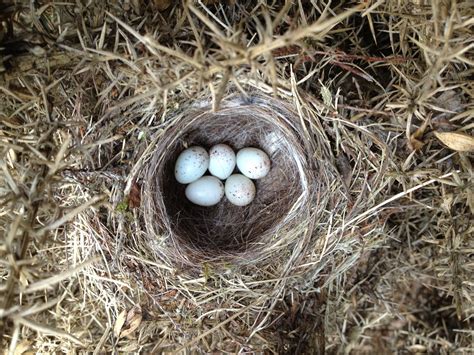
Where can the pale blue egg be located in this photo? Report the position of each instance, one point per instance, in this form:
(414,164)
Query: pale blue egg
(253,162)
(206,191)
(221,161)
(191,164)
(239,190)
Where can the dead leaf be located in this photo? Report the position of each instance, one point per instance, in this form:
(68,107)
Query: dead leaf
(295,307)
(119,323)
(134,319)
(134,196)
(416,144)
(162,5)
(460,142)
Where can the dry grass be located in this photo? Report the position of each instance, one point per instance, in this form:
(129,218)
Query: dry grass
(381,257)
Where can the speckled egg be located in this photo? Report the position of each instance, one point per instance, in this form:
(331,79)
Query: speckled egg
(191,164)
(221,161)
(239,190)
(253,162)
(206,191)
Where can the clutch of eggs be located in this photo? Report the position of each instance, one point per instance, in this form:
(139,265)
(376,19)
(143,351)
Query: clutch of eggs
(221,161)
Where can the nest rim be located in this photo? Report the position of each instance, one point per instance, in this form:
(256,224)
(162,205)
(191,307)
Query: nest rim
(280,131)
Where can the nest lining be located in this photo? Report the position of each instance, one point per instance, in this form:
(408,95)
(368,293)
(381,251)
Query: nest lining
(226,232)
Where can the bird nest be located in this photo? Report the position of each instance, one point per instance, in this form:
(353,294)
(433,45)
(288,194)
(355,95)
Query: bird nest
(192,234)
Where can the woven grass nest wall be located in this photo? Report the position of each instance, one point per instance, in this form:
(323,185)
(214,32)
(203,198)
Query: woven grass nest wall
(360,238)
(286,203)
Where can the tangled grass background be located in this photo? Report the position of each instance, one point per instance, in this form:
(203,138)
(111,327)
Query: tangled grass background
(367,111)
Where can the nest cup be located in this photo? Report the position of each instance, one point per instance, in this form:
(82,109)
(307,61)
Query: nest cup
(225,232)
